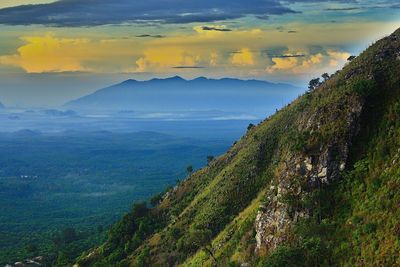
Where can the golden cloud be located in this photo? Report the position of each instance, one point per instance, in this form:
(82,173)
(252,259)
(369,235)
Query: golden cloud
(51,54)
(48,54)
(156,59)
(244,57)
(200,47)
(316,63)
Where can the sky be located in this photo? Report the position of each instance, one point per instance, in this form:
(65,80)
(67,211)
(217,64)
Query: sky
(54,51)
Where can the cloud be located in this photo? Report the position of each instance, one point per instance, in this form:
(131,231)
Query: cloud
(157,59)
(343,9)
(306,64)
(103,12)
(188,67)
(218,29)
(288,56)
(47,54)
(243,58)
(213,59)
(150,36)
(256,51)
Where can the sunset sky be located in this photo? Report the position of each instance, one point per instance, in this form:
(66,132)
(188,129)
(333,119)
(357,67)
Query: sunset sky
(52,51)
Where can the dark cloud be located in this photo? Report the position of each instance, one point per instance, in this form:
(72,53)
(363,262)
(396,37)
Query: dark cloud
(287,56)
(150,36)
(102,12)
(188,67)
(262,17)
(280,52)
(277,50)
(206,28)
(343,9)
(316,49)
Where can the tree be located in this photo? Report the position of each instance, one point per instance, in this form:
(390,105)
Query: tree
(314,83)
(350,58)
(189,169)
(210,159)
(63,259)
(199,239)
(251,126)
(140,209)
(325,76)
(69,235)
(156,199)
(31,248)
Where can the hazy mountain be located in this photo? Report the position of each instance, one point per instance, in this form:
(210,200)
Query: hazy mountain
(2,106)
(59,113)
(26,133)
(316,184)
(201,94)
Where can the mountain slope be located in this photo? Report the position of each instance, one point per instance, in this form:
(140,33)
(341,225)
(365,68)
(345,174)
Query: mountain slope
(316,184)
(177,94)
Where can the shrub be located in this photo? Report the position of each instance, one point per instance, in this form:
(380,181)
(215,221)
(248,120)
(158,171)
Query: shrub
(284,256)
(365,87)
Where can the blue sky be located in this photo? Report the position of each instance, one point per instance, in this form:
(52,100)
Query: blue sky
(63,49)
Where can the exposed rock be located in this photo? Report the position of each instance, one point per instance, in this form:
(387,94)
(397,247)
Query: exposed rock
(300,175)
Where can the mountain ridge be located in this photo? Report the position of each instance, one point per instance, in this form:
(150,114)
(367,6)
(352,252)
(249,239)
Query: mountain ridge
(177,94)
(315,184)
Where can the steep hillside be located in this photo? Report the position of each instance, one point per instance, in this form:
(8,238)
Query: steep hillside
(316,184)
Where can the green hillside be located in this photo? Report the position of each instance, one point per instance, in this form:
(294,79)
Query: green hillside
(316,184)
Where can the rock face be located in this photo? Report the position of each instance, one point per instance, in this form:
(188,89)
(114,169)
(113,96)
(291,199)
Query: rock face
(301,174)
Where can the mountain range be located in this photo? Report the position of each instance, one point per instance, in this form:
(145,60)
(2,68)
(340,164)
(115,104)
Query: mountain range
(176,94)
(316,184)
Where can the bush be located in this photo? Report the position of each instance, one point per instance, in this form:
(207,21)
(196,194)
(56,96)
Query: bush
(369,228)
(284,256)
(365,87)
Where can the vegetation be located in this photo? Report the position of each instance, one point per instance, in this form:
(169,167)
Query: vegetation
(60,193)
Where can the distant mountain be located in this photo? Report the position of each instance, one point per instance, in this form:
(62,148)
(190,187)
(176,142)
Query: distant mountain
(27,133)
(2,106)
(177,94)
(59,113)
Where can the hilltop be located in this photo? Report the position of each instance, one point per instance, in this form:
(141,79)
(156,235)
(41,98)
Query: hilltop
(316,184)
